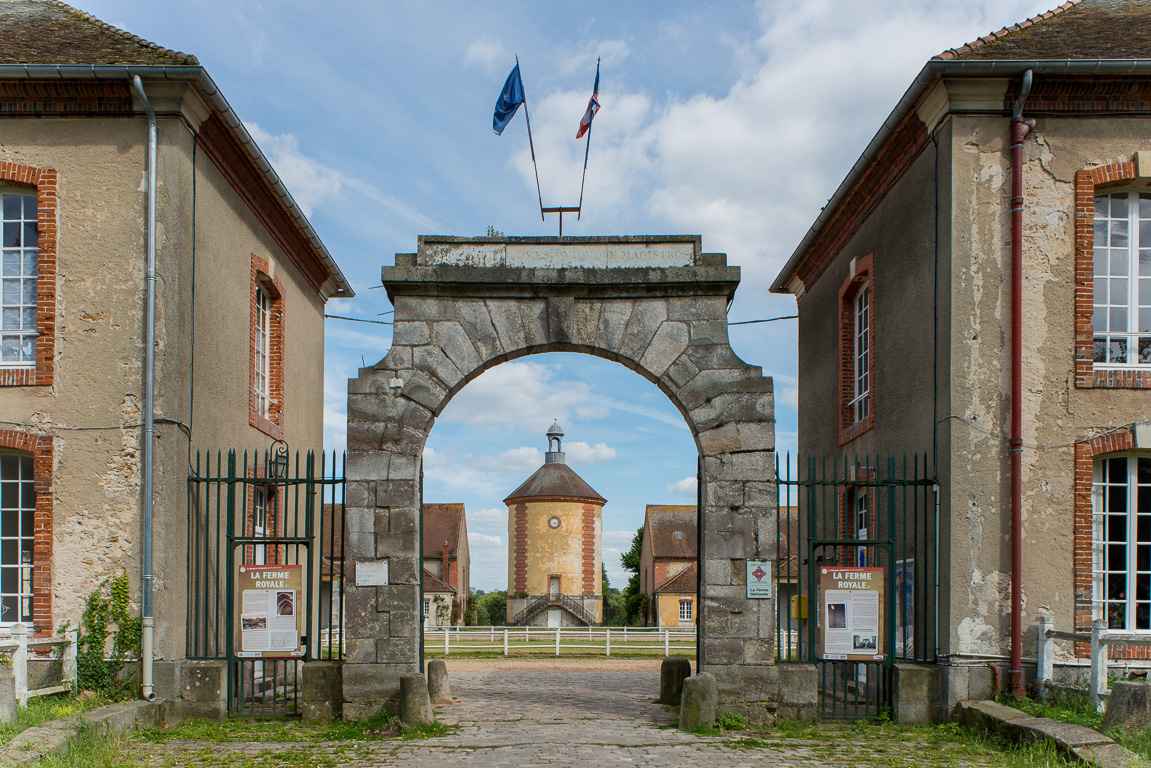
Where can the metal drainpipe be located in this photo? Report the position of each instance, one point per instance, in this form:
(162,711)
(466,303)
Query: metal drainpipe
(147,620)
(1019,130)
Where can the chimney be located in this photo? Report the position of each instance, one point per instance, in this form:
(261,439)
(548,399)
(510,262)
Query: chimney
(444,564)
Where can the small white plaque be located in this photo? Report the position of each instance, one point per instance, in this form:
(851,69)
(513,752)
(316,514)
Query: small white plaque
(372,573)
(759,579)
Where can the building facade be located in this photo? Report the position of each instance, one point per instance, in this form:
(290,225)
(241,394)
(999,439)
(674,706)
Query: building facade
(555,546)
(242,280)
(908,311)
(668,550)
(446,555)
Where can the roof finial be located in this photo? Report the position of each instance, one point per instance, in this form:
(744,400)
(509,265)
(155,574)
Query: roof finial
(555,454)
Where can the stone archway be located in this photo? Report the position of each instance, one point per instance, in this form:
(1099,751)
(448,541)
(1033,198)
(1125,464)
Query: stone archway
(655,304)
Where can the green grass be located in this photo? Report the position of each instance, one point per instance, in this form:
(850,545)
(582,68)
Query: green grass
(92,750)
(1070,707)
(44,708)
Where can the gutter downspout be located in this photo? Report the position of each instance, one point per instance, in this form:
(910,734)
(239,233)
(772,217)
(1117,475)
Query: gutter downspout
(147,621)
(1019,130)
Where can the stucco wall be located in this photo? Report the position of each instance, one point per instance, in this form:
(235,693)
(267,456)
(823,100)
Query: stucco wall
(555,551)
(1055,412)
(100,315)
(667,609)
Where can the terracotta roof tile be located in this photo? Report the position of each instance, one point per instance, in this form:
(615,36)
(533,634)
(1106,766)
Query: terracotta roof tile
(555,480)
(1077,29)
(433,583)
(663,521)
(684,581)
(51,32)
(442,523)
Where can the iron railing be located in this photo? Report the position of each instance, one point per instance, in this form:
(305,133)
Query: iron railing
(541,603)
(242,509)
(864,511)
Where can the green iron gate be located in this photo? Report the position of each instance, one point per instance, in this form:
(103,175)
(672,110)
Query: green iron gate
(858,513)
(263,509)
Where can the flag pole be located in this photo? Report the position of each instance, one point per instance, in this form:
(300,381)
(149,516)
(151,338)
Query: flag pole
(579,211)
(587,148)
(531,145)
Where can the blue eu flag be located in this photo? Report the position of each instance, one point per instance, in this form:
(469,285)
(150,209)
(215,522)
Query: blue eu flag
(509,101)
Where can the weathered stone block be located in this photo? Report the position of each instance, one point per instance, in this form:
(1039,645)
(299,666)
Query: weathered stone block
(562,320)
(399,357)
(746,682)
(358,601)
(321,691)
(697,708)
(398,650)
(716,571)
(365,436)
(672,672)
(641,327)
(473,317)
(679,372)
(719,438)
(759,651)
(757,436)
(916,690)
(403,521)
(8,703)
(204,681)
(396,493)
(368,465)
(403,570)
(410,333)
(373,682)
(722,650)
(424,390)
(454,341)
(707,331)
(432,361)
(415,702)
(361,493)
(1129,706)
(666,345)
(360,650)
(397,544)
(360,545)
(723,495)
(728,545)
(399,597)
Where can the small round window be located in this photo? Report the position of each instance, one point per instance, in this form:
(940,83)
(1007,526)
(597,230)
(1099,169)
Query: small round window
(554,522)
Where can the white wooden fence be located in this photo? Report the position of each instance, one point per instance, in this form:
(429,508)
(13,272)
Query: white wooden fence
(19,644)
(586,639)
(1099,639)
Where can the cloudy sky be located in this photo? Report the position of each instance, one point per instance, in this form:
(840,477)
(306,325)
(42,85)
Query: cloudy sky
(732,120)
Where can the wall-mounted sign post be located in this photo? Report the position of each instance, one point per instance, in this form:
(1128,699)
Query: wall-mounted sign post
(852,626)
(759,579)
(270,600)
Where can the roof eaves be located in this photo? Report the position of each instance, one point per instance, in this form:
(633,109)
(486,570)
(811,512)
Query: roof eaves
(197,75)
(954,53)
(188,59)
(933,69)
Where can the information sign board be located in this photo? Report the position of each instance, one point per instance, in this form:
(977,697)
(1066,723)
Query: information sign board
(270,600)
(852,627)
(758,579)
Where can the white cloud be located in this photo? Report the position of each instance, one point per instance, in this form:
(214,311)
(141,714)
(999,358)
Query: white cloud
(580,452)
(515,460)
(789,396)
(517,395)
(483,539)
(308,181)
(488,55)
(684,487)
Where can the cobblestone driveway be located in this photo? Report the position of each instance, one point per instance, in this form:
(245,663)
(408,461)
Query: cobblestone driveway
(590,713)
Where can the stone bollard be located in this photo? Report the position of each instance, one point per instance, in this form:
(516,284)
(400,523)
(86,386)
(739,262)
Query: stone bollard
(438,687)
(1128,707)
(697,709)
(415,703)
(672,672)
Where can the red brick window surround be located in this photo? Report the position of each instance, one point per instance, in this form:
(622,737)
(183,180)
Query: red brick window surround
(266,351)
(1100,485)
(1102,295)
(26,529)
(21,239)
(857,350)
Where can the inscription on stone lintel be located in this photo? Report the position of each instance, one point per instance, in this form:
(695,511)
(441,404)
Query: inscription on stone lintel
(600,256)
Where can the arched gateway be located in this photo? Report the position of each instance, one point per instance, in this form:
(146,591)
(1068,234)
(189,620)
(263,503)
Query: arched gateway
(655,304)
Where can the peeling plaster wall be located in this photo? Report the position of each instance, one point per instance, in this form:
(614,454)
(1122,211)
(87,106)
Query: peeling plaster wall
(1055,412)
(99,356)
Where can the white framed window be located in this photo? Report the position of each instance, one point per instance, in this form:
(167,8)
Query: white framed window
(861,355)
(1121,541)
(427,608)
(685,610)
(19,256)
(262,351)
(17,516)
(260,524)
(862,525)
(1121,320)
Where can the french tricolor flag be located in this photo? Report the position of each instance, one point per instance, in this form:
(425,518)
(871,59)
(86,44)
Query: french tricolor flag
(592,107)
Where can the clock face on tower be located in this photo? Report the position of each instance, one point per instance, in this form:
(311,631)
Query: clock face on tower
(554,522)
